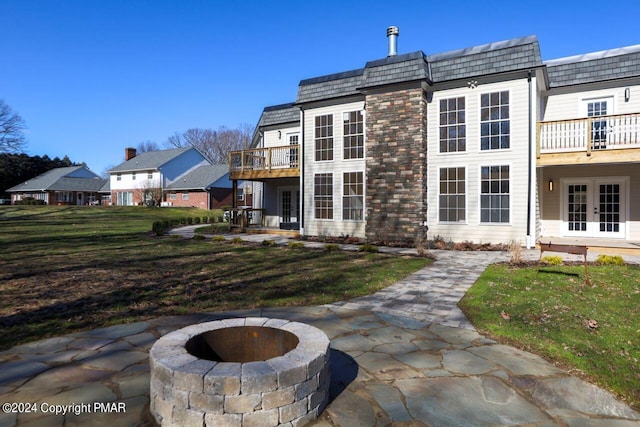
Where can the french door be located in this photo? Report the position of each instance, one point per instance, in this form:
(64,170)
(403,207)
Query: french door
(595,208)
(289,205)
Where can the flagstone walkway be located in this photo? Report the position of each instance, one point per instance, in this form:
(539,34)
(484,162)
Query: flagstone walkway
(405,356)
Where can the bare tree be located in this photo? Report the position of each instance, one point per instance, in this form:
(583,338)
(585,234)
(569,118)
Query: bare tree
(215,144)
(150,192)
(12,138)
(147,145)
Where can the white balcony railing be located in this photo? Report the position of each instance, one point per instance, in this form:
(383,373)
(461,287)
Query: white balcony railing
(593,133)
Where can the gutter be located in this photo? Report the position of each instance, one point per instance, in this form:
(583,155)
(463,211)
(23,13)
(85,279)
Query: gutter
(529,180)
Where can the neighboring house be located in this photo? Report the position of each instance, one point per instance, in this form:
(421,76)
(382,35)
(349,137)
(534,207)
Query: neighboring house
(486,144)
(174,177)
(72,185)
(206,187)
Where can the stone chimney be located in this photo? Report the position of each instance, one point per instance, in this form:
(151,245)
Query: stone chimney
(129,153)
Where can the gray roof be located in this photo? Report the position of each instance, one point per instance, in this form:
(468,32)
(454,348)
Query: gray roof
(594,67)
(509,55)
(279,114)
(500,57)
(150,160)
(396,69)
(200,178)
(59,180)
(330,86)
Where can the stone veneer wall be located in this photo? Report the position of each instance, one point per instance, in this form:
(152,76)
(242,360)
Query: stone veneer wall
(396,199)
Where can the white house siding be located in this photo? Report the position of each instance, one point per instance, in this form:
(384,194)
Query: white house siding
(563,106)
(337,166)
(271,138)
(551,201)
(473,159)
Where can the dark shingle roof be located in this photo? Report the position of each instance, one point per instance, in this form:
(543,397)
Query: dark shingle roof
(500,57)
(331,86)
(396,69)
(150,160)
(279,114)
(200,178)
(594,67)
(62,179)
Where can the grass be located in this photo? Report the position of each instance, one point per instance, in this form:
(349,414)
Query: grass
(591,330)
(66,269)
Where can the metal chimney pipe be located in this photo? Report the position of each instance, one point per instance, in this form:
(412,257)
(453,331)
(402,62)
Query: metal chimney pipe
(392,34)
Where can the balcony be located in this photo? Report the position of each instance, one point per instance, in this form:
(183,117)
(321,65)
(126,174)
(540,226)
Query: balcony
(600,139)
(265,163)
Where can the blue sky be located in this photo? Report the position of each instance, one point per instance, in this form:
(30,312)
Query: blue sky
(92,77)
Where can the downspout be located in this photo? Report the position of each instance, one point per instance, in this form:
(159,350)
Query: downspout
(301,166)
(529,243)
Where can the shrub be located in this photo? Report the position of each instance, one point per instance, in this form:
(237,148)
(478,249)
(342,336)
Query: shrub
(218,238)
(199,237)
(205,220)
(610,260)
(552,259)
(175,222)
(158,228)
(189,220)
(196,220)
(296,245)
(236,240)
(331,247)
(268,242)
(220,218)
(515,249)
(368,248)
(183,220)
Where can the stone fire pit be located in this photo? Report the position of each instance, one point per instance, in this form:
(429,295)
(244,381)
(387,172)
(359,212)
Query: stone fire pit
(240,372)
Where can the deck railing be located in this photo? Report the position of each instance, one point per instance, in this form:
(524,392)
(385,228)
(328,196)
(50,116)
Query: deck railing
(243,218)
(258,159)
(593,133)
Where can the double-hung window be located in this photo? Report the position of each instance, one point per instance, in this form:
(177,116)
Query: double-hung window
(323,137)
(353,196)
(353,135)
(453,129)
(323,195)
(494,121)
(452,198)
(494,194)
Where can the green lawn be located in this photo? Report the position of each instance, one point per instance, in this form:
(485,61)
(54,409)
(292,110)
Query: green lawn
(592,329)
(65,269)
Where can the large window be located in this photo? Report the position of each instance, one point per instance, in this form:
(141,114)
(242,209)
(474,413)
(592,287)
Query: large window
(452,199)
(323,195)
(324,137)
(453,130)
(494,194)
(353,196)
(353,135)
(494,121)
(125,199)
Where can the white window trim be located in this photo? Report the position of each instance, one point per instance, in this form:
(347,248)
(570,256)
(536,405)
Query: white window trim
(364,135)
(466,193)
(333,197)
(313,138)
(364,196)
(479,213)
(479,123)
(466,123)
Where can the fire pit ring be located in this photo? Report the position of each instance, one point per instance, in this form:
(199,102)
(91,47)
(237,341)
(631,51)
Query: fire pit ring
(252,371)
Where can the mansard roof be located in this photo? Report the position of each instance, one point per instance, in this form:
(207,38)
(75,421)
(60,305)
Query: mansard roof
(500,57)
(593,67)
(279,114)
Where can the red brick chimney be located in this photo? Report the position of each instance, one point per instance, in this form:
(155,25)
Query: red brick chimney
(129,153)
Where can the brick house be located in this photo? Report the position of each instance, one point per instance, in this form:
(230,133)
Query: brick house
(73,185)
(488,144)
(174,177)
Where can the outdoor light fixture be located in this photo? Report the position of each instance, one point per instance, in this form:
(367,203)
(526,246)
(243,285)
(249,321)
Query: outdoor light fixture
(472,84)
(550,185)
(627,94)
(279,135)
